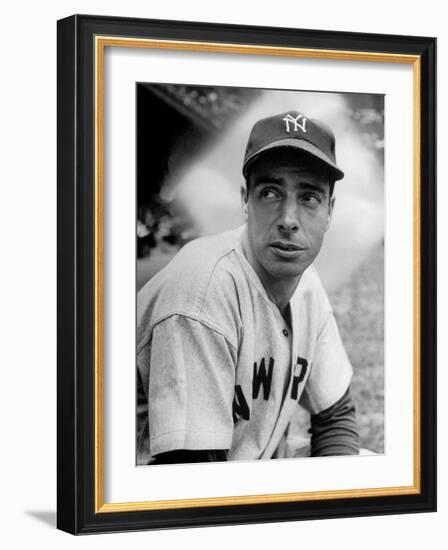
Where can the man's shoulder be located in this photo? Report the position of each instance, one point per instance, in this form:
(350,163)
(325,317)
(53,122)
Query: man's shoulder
(203,253)
(197,270)
(311,281)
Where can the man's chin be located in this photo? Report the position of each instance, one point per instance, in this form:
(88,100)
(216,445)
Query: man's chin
(284,270)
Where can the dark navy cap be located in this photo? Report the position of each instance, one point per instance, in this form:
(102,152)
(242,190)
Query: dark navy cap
(293,129)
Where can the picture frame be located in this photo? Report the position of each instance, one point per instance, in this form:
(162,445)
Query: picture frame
(82,199)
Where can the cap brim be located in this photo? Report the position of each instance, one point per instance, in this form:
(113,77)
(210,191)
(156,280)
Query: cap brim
(302,145)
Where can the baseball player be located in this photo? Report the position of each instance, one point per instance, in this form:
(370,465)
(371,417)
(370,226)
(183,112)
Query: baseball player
(237,329)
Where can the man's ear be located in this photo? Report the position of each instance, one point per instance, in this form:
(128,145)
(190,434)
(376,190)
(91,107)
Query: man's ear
(330,212)
(244,200)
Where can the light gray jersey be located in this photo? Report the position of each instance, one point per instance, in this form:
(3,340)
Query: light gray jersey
(218,366)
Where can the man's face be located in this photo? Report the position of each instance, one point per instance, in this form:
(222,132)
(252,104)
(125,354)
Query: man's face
(288,209)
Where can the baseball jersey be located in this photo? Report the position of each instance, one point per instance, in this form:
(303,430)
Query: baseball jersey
(218,367)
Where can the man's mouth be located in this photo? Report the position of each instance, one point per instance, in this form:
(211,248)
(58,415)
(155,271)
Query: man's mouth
(286,249)
(285,245)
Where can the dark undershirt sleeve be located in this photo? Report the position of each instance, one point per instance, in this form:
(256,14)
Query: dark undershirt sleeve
(183,456)
(334,431)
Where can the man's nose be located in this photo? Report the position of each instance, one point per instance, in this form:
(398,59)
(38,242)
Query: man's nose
(289,218)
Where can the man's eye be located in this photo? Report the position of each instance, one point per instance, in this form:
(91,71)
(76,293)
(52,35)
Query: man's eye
(268,194)
(311,200)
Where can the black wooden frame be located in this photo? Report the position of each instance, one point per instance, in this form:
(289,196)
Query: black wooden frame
(76,224)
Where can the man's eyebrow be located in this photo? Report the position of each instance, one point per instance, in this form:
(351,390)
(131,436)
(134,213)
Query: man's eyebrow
(262,180)
(304,185)
(309,186)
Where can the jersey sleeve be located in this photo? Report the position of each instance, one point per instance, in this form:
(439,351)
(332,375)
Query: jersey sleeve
(190,386)
(331,371)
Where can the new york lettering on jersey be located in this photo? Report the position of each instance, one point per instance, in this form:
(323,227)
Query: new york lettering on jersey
(242,369)
(271,371)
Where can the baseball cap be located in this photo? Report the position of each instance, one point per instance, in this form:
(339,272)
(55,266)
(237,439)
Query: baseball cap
(293,129)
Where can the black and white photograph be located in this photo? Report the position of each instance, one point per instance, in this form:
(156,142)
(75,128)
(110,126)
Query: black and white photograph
(246,274)
(259,274)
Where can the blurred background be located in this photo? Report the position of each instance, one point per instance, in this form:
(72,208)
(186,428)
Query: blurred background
(190,148)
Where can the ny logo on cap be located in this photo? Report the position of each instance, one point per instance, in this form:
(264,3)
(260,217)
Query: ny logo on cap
(299,122)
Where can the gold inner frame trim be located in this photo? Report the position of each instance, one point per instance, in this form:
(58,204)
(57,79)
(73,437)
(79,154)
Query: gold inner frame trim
(101,42)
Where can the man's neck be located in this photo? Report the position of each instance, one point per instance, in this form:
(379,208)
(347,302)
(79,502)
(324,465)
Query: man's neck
(279,290)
